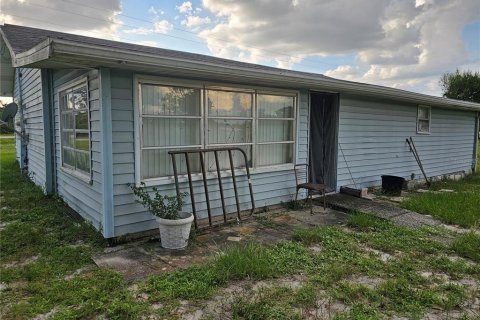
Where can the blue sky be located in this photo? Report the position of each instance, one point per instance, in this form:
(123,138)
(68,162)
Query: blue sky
(406,44)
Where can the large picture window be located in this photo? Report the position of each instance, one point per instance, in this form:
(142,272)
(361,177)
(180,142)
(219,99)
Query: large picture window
(75,129)
(175,117)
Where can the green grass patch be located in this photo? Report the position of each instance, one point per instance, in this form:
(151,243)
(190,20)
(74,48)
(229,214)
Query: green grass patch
(40,244)
(366,222)
(99,293)
(468,246)
(383,235)
(268,303)
(453,208)
(459,207)
(249,261)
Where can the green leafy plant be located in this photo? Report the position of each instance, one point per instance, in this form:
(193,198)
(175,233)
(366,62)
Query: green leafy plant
(162,206)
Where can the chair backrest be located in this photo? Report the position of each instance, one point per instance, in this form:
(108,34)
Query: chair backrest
(301,173)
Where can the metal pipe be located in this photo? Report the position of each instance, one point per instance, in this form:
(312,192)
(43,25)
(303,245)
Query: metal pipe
(175,174)
(413,149)
(205,186)
(190,184)
(220,186)
(232,168)
(219,177)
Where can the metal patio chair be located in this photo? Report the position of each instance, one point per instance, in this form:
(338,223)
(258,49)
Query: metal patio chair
(302,174)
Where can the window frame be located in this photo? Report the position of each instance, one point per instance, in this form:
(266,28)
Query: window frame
(207,117)
(294,126)
(142,116)
(429,119)
(71,86)
(138,80)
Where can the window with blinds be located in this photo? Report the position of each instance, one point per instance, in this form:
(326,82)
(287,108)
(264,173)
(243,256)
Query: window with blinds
(275,125)
(173,118)
(75,130)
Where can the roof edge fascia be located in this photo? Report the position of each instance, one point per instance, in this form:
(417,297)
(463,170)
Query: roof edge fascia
(39,52)
(51,47)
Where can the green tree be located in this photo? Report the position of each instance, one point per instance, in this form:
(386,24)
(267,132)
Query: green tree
(463,85)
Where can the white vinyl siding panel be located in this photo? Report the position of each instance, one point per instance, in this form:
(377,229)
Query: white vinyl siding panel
(83,197)
(372,136)
(269,187)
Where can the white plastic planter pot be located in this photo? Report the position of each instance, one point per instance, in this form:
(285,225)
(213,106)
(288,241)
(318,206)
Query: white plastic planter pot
(174,234)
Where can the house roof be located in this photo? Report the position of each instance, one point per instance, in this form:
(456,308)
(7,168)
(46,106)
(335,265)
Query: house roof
(23,39)
(39,48)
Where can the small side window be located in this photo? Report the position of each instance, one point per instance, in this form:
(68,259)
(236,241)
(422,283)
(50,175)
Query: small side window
(75,130)
(423,119)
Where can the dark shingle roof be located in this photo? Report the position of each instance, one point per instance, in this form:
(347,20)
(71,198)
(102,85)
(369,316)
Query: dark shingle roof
(23,38)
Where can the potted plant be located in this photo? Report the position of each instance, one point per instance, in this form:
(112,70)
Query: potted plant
(173,223)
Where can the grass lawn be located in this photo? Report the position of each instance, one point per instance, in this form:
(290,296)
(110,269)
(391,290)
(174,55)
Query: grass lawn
(460,207)
(367,269)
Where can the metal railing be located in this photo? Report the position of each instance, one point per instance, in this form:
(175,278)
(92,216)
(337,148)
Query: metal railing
(201,153)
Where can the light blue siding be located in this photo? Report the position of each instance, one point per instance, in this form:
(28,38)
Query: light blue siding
(81,196)
(269,187)
(372,137)
(28,90)
(106,143)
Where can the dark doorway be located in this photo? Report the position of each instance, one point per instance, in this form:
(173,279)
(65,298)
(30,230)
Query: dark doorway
(324,109)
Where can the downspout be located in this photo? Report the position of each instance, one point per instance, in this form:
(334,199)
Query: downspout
(475,143)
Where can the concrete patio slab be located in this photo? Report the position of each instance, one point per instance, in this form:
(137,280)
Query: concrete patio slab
(140,259)
(383,210)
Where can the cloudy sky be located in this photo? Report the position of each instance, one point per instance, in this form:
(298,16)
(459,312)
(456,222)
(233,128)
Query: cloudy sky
(406,44)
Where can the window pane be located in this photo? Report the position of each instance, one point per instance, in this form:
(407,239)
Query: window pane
(68,139)
(82,141)
(422,113)
(173,101)
(69,157)
(67,120)
(224,160)
(270,106)
(424,126)
(64,102)
(83,161)
(229,131)
(158,163)
(81,120)
(275,130)
(78,98)
(234,104)
(163,132)
(272,154)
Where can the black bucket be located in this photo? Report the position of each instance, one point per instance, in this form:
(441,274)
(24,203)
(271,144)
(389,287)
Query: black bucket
(392,185)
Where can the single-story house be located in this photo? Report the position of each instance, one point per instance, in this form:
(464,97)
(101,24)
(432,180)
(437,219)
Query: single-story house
(102,114)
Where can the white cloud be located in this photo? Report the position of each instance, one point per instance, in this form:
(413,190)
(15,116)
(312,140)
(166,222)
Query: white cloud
(153,11)
(396,42)
(185,7)
(138,31)
(65,16)
(162,26)
(195,21)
